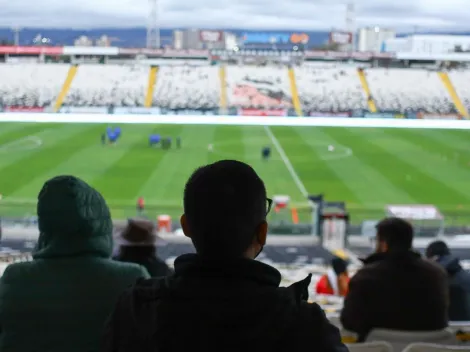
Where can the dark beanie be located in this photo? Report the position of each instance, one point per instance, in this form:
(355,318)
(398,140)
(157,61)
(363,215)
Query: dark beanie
(339,265)
(437,248)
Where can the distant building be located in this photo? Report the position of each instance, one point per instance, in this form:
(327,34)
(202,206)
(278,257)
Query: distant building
(83,41)
(372,39)
(197,39)
(429,44)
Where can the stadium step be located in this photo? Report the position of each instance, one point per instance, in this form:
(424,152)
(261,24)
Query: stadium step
(295,93)
(453,94)
(151,86)
(365,87)
(223,87)
(65,87)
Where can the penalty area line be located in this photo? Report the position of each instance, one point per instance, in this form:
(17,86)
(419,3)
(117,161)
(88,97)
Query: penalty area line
(286,161)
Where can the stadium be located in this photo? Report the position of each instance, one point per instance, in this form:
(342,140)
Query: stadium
(354,136)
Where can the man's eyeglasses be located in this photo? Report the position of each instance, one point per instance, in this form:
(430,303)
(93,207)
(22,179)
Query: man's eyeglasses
(269,204)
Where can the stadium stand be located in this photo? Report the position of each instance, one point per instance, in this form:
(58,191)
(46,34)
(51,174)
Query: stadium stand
(31,85)
(187,87)
(330,89)
(105,85)
(258,87)
(321,87)
(400,90)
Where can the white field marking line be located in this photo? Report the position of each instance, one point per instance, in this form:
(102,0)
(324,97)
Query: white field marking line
(286,161)
(36,142)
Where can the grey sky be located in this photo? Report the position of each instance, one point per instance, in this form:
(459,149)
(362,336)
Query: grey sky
(257,14)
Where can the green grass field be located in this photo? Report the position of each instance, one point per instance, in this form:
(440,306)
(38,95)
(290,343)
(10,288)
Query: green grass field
(368,169)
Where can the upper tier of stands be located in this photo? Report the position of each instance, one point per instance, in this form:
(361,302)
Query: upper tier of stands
(327,88)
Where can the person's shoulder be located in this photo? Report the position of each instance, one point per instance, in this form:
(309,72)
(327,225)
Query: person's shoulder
(125,270)
(17,270)
(431,267)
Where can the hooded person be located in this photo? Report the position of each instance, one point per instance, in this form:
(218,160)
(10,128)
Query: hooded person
(221,298)
(459,280)
(138,244)
(60,300)
(336,280)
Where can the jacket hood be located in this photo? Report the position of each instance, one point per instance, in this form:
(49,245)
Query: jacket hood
(240,300)
(450,263)
(74,220)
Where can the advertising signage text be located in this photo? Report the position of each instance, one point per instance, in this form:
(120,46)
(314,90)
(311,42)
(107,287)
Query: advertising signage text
(275,38)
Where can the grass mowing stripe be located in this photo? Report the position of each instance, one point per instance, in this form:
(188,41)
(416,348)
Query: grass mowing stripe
(402,173)
(169,177)
(311,168)
(374,193)
(19,174)
(287,163)
(7,128)
(27,130)
(431,161)
(128,174)
(90,161)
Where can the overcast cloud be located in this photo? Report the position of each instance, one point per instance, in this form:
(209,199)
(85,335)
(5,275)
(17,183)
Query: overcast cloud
(256,14)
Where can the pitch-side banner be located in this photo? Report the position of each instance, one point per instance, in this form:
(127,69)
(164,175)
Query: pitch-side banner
(23,109)
(137,110)
(262,112)
(84,110)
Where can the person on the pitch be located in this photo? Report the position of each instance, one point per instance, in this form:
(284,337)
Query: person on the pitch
(103,138)
(140,205)
(266,153)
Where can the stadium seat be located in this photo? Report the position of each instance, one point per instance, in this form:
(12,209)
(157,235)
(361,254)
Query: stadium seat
(430,347)
(400,339)
(377,346)
(187,87)
(105,85)
(403,89)
(330,89)
(460,79)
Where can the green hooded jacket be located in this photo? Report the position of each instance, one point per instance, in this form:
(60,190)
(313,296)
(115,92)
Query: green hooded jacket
(61,300)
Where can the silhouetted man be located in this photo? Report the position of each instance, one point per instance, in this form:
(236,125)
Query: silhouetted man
(396,289)
(221,299)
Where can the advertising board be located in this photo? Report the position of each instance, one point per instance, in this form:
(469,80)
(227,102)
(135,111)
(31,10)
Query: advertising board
(84,110)
(209,112)
(328,114)
(137,110)
(341,38)
(23,109)
(262,112)
(31,50)
(275,38)
(207,36)
(426,116)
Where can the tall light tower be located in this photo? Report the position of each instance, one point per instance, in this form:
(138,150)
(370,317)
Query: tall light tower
(351,23)
(16,35)
(153,30)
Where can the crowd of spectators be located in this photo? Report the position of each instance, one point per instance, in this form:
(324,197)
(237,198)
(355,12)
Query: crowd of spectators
(75,295)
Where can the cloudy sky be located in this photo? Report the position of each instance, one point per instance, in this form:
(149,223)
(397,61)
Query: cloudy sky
(257,14)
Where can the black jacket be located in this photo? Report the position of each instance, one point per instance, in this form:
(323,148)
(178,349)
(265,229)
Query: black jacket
(219,307)
(145,256)
(398,291)
(459,288)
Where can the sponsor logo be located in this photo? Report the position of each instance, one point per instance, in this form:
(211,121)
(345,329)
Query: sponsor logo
(211,36)
(23,109)
(275,38)
(257,112)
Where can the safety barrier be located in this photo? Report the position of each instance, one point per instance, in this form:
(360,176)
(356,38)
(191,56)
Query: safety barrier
(233,120)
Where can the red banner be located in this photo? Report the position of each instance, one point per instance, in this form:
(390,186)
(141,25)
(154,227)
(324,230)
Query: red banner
(258,112)
(31,50)
(23,109)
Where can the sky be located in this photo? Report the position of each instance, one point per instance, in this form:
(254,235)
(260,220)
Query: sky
(256,14)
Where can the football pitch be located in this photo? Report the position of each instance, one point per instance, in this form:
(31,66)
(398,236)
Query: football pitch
(367,169)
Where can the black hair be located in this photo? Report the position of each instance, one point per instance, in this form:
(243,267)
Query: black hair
(224,202)
(396,233)
(437,248)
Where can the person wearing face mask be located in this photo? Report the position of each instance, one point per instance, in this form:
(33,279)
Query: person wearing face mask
(221,298)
